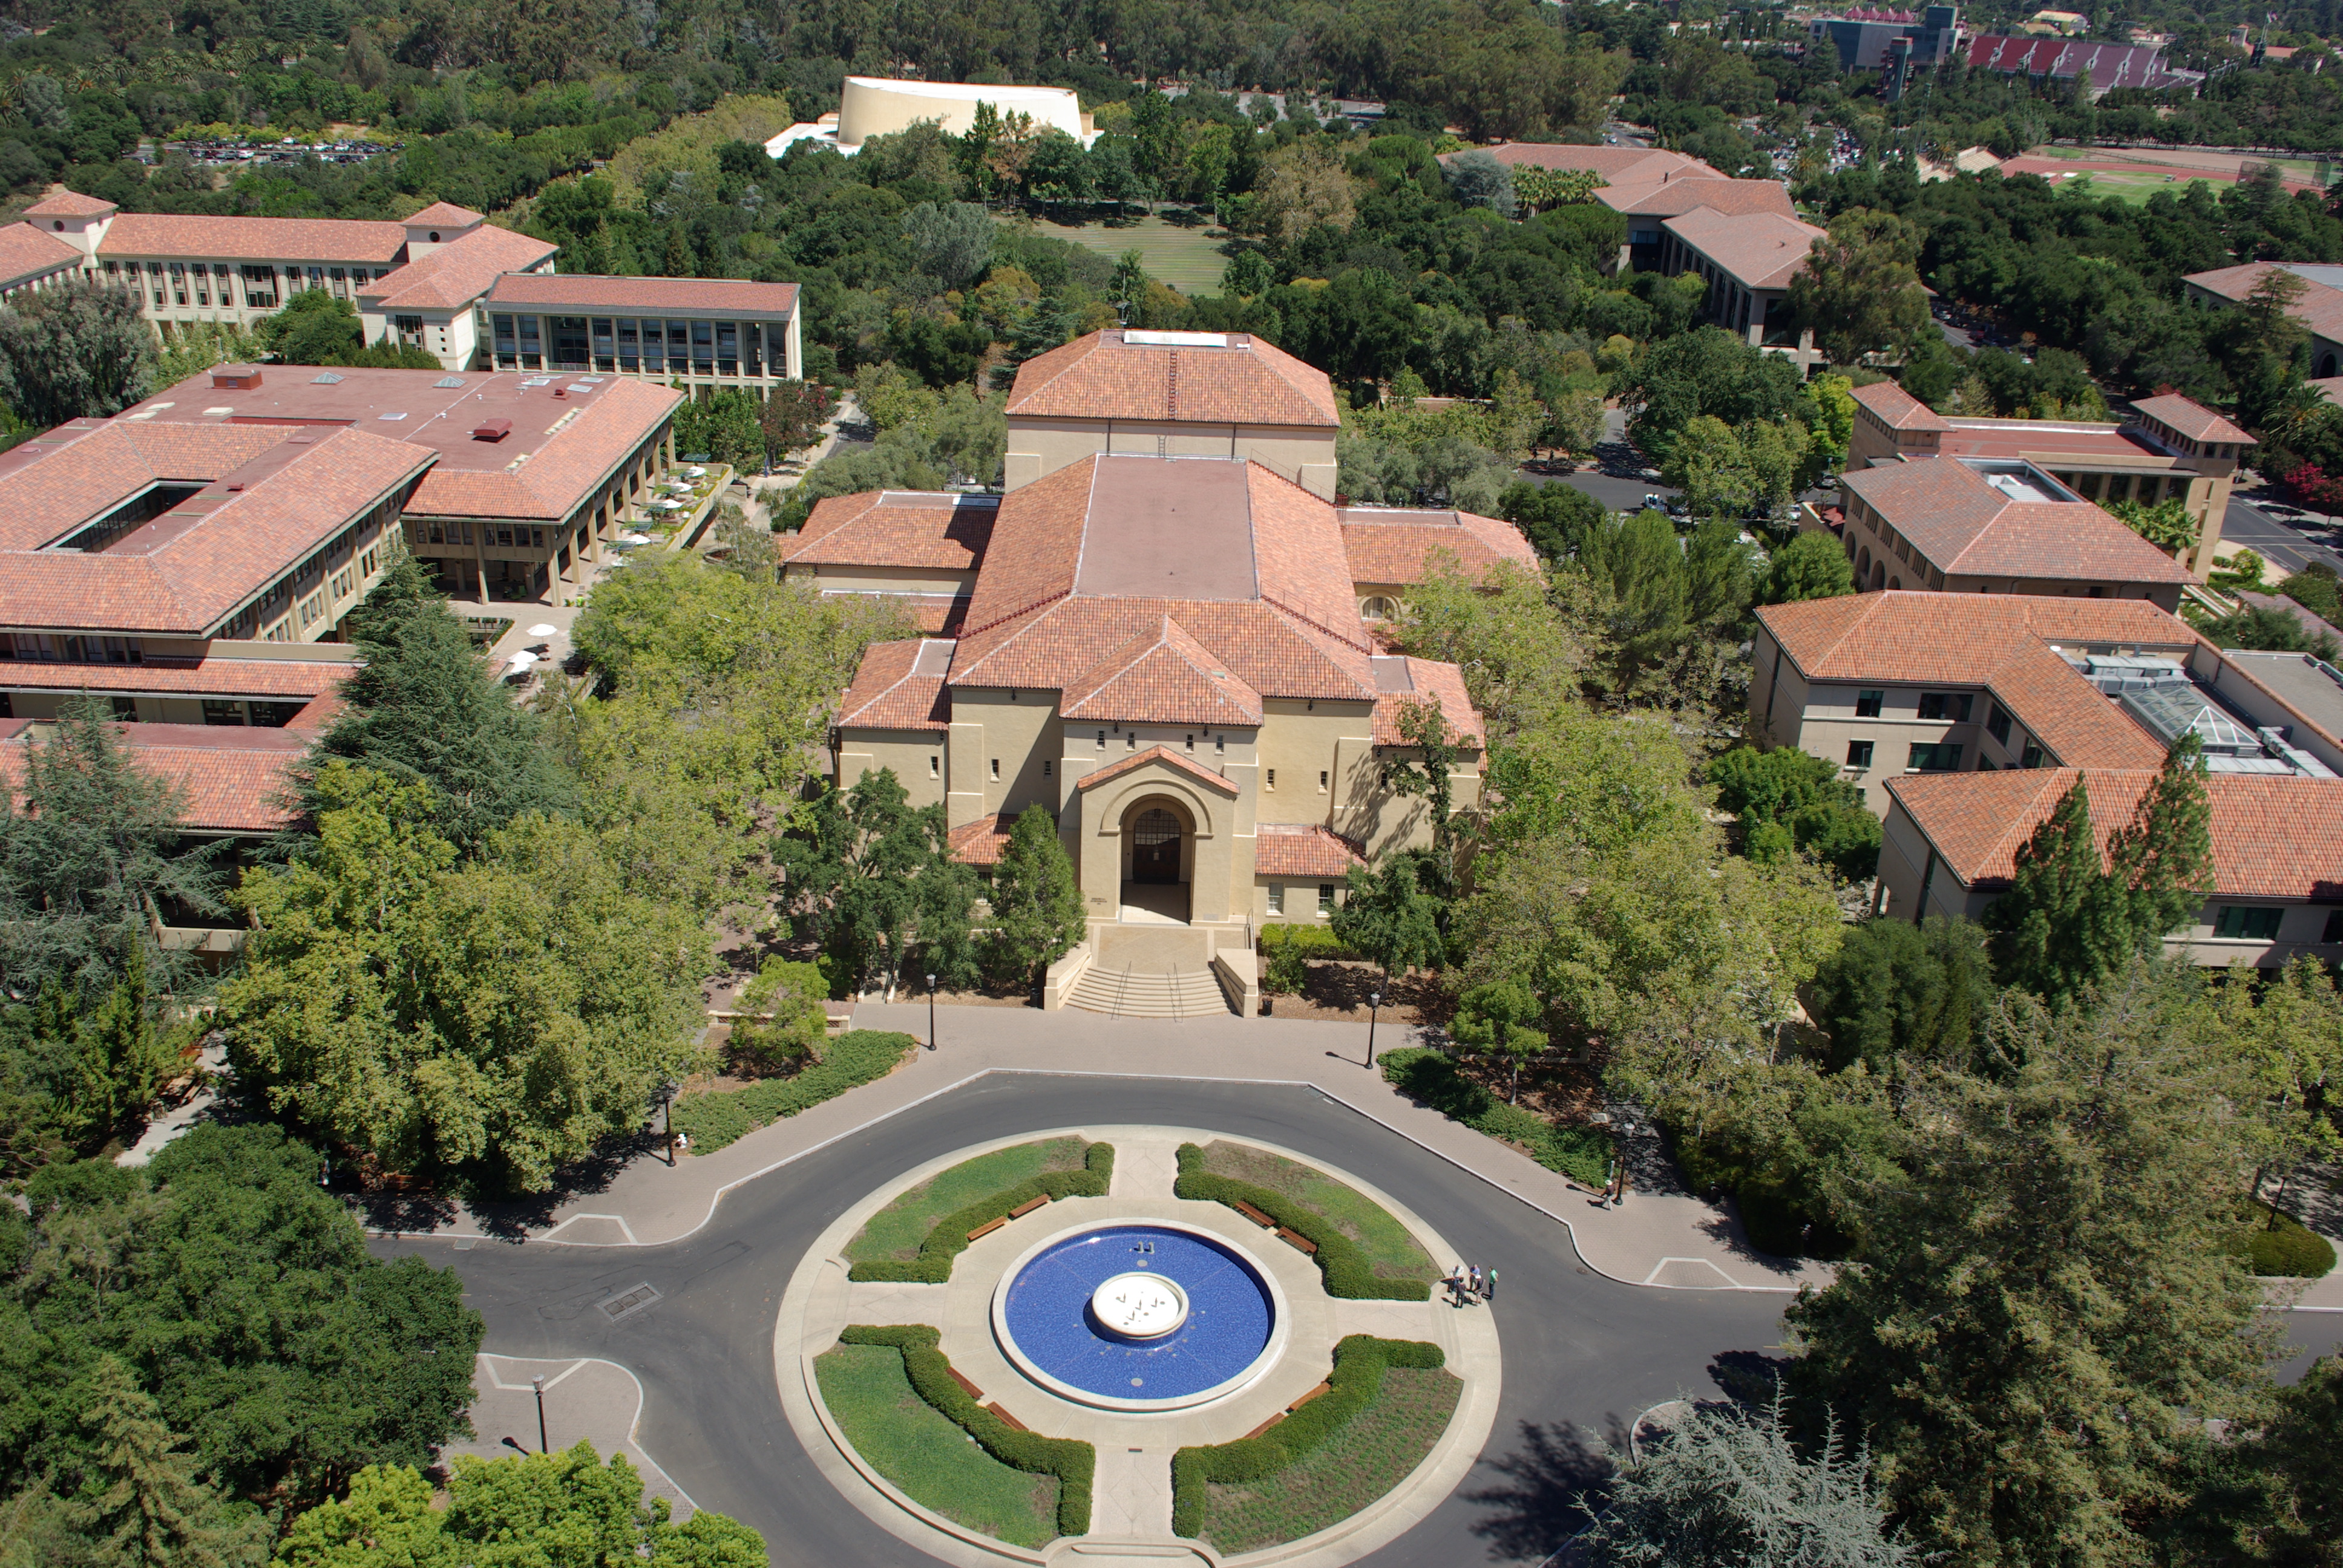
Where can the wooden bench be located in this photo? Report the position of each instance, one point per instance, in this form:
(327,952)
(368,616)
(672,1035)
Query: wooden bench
(987,1228)
(1009,1420)
(1297,1239)
(1264,1426)
(1320,1392)
(1255,1215)
(1028,1206)
(966,1387)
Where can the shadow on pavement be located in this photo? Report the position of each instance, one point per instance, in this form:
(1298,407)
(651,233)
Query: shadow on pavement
(1534,1503)
(1749,1376)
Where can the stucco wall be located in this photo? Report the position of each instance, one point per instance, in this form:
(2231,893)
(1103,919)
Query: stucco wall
(1039,446)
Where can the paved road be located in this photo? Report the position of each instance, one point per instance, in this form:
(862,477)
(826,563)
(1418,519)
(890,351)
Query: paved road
(1583,1355)
(2281,535)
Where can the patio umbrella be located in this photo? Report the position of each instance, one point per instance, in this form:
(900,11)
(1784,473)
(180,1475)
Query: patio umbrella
(522,660)
(544,628)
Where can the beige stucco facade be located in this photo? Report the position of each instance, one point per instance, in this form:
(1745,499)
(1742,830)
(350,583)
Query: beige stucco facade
(1040,446)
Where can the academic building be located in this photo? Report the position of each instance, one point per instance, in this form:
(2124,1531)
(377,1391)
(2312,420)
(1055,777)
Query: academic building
(1162,636)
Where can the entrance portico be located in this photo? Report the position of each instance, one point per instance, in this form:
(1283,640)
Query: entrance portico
(1156,824)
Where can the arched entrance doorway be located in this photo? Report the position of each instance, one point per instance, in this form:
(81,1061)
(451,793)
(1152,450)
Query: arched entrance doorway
(1155,835)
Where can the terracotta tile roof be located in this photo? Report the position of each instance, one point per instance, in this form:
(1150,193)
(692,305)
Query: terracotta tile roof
(2071,717)
(1686,194)
(2318,307)
(1394,544)
(1166,756)
(458,272)
(27,252)
(2273,838)
(1917,638)
(1106,377)
(1965,527)
(1620,165)
(589,291)
(1162,676)
(70,204)
(1758,249)
(1302,849)
(899,685)
(564,471)
(895,528)
(268,679)
(230,775)
(276,239)
(2192,419)
(183,571)
(1405,680)
(1898,409)
(981,842)
(444,213)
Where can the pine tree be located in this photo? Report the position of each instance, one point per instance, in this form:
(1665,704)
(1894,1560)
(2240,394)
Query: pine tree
(1037,905)
(678,262)
(2162,863)
(2044,922)
(141,1500)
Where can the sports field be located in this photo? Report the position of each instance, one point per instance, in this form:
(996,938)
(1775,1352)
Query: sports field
(1182,257)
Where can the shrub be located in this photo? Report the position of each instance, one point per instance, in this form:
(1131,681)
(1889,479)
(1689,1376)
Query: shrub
(1286,951)
(2276,1245)
(1344,1267)
(1072,1463)
(857,1057)
(1357,1378)
(782,1024)
(1430,1078)
(945,1243)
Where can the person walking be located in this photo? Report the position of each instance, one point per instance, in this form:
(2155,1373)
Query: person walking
(1473,1281)
(1489,1286)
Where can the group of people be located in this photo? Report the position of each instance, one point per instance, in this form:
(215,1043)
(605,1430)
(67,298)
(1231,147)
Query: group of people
(1469,1282)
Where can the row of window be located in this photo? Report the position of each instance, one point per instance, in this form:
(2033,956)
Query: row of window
(609,343)
(1325,897)
(261,611)
(216,711)
(504,536)
(260,283)
(1920,756)
(42,647)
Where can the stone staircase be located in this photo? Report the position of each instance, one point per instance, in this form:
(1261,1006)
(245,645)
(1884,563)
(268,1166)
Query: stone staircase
(1132,991)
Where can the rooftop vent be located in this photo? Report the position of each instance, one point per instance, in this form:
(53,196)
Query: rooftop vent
(235,377)
(492,429)
(326,378)
(1176,339)
(449,382)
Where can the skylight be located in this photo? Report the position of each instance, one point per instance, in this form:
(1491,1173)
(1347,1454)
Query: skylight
(450,381)
(326,378)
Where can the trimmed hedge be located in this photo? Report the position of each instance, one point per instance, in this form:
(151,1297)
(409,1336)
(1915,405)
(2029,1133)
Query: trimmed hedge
(948,1240)
(2276,1245)
(929,1370)
(1286,950)
(1430,1078)
(1356,1379)
(1339,1259)
(858,1057)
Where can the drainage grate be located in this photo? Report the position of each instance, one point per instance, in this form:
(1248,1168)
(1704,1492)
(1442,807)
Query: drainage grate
(628,1304)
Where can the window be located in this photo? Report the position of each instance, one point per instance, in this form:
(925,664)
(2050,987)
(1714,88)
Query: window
(1191,742)
(1102,741)
(1321,781)
(996,768)
(1047,766)
(935,767)
(1946,705)
(1277,898)
(1858,754)
(2249,921)
(125,708)
(313,610)
(2334,932)
(2031,757)
(1219,746)
(1325,897)
(1131,740)
(1271,775)
(1866,704)
(1377,609)
(1996,724)
(219,712)
(1934,757)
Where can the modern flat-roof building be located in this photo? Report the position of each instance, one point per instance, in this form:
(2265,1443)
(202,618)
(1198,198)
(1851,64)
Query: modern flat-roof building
(1896,683)
(879,105)
(707,332)
(2171,449)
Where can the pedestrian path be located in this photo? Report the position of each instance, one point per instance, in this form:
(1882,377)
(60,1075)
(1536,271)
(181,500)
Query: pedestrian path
(1666,1240)
(598,1401)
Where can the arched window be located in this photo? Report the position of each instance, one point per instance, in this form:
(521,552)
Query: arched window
(1862,563)
(1378,607)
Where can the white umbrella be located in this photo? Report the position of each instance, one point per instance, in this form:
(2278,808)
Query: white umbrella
(694,473)
(544,628)
(522,660)
(636,538)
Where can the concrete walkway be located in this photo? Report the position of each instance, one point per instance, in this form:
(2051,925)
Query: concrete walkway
(598,1401)
(1665,1238)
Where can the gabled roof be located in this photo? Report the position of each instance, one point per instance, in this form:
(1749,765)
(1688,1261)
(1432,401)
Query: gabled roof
(1213,378)
(230,775)
(1758,249)
(1154,756)
(1920,639)
(1301,850)
(1400,682)
(29,252)
(1162,676)
(1955,516)
(259,239)
(445,213)
(1898,409)
(265,679)
(895,528)
(2320,305)
(2273,838)
(1619,165)
(70,204)
(458,272)
(1395,544)
(899,685)
(592,292)
(1686,193)
(981,841)
(2192,418)
(571,462)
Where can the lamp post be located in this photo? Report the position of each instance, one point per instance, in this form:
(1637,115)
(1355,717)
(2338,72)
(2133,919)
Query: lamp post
(539,1385)
(1374,1009)
(931,1012)
(667,1107)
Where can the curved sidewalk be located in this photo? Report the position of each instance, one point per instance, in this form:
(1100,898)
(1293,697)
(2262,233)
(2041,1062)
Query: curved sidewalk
(1664,1239)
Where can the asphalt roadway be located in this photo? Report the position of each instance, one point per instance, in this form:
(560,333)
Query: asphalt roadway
(2283,536)
(1583,1355)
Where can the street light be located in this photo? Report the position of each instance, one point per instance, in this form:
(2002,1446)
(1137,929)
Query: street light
(666,1102)
(1374,1007)
(539,1385)
(931,1012)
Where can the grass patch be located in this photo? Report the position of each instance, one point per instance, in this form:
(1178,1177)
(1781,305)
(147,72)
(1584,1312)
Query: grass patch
(927,1455)
(948,1235)
(1373,1451)
(1391,1253)
(860,1056)
(896,1232)
(1181,257)
(1430,1078)
(1342,1261)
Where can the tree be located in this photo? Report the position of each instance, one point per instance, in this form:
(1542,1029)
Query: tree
(1897,992)
(2166,525)
(423,708)
(1542,190)
(141,1503)
(2041,1317)
(488,1020)
(1426,770)
(1303,186)
(1476,178)
(952,242)
(1729,1488)
(1789,800)
(1502,631)
(1706,371)
(1391,918)
(872,878)
(1811,565)
(1504,1016)
(1036,905)
(1859,292)
(317,328)
(2269,627)
(792,416)
(1554,519)
(75,350)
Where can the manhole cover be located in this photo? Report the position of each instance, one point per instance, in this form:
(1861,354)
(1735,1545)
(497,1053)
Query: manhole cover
(629,1304)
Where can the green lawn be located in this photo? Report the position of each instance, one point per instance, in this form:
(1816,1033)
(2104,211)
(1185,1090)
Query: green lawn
(894,1234)
(1369,1456)
(2133,190)
(1391,1251)
(937,1464)
(1182,257)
